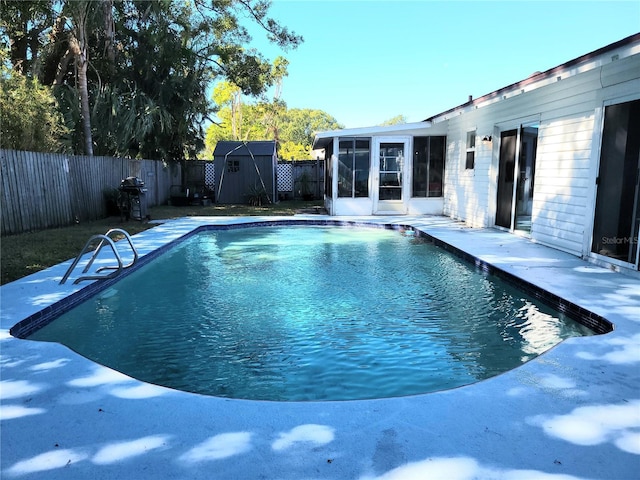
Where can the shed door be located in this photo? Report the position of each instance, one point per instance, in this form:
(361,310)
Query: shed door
(230,183)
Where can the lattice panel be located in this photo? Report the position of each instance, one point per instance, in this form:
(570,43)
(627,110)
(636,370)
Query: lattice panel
(285,177)
(210,175)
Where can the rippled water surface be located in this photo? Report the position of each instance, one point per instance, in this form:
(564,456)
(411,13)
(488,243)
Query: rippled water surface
(310,313)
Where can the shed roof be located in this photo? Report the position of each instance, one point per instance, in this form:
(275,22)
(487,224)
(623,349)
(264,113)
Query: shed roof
(242,149)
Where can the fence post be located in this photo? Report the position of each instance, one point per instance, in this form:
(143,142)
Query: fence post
(293,179)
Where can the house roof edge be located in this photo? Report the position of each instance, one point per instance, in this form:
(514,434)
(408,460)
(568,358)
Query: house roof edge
(536,77)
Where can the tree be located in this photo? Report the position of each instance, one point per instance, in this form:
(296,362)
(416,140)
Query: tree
(227,95)
(29,118)
(301,125)
(138,84)
(273,111)
(81,11)
(397,120)
(296,128)
(239,122)
(293,130)
(23,25)
(294,151)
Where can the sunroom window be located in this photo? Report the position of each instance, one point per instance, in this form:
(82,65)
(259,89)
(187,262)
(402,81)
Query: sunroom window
(428,166)
(328,171)
(354,159)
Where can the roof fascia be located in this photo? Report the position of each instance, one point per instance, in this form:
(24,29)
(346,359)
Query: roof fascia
(589,61)
(374,130)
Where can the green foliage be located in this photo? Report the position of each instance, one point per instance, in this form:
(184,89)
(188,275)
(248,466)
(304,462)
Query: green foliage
(130,123)
(294,129)
(29,118)
(397,120)
(22,30)
(294,151)
(225,94)
(301,125)
(257,196)
(148,65)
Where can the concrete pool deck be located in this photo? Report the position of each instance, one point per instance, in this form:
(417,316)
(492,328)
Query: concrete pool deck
(573,412)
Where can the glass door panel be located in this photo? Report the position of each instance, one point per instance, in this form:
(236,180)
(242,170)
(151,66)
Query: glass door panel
(516,171)
(506,172)
(526,172)
(391,164)
(617,213)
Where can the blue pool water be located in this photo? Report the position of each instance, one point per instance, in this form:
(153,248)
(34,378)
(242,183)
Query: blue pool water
(310,313)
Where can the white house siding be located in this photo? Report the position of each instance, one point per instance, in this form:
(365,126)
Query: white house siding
(569,151)
(569,112)
(465,194)
(563,181)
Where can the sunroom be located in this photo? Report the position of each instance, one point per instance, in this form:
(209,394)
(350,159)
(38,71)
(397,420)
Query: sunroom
(384,170)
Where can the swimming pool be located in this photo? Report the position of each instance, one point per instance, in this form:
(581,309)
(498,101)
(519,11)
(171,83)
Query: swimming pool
(310,313)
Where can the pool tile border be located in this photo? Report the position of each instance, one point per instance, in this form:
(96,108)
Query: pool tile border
(595,322)
(32,323)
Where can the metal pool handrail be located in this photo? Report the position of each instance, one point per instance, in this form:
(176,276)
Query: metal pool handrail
(104,239)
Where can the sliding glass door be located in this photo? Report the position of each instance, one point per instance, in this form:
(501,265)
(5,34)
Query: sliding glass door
(516,172)
(617,216)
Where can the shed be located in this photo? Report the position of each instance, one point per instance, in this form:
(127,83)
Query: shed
(246,172)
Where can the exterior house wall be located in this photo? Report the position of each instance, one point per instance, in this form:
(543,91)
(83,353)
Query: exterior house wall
(620,83)
(563,184)
(569,113)
(336,205)
(465,192)
(562,161)
(566,105)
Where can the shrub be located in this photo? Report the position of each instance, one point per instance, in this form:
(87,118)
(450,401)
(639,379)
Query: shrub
(29,118)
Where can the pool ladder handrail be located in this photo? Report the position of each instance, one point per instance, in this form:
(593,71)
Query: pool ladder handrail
(104,240)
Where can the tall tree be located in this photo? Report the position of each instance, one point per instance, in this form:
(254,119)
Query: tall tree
(301,125)
(80,12)
(228,96)
(147,65)
(22,28)
(274,110)
(296,127)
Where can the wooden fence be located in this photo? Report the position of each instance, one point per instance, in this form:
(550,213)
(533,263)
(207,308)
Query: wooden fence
(201,174)
(44,190)
(290,174)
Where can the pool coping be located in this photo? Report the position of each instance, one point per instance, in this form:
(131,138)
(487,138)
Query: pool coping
(53,399)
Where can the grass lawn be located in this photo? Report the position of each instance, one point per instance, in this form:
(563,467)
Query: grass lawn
(27,253)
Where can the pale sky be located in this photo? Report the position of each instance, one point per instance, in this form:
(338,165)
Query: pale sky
(366,61)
